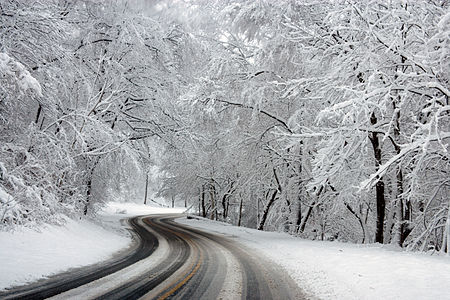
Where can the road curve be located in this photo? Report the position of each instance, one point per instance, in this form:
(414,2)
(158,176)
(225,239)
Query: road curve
(171,261)
(144,245)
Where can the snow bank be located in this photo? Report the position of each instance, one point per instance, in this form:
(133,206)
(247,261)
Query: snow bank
(28,255)
(333,270)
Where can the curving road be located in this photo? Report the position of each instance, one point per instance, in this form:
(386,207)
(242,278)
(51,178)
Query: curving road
(173,261)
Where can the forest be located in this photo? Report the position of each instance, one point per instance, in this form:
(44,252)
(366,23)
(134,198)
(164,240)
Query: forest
(329,120)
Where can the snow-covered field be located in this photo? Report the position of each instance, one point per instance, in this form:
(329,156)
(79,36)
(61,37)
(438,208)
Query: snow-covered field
(28,255)
(333,270)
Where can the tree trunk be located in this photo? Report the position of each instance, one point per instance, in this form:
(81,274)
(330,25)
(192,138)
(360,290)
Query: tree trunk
(88,195)
(299,213)
(225,201)
(446,235)
(146,189)
(213,201)
(89,184)
(300,188)
(38,114)
(240,211)
(257,209)
(224,207)
(379,188)
(266,210)
(359,220)
(270,202)
(306,217)
(199,202)
(303,222)
(203,202)
(405,208)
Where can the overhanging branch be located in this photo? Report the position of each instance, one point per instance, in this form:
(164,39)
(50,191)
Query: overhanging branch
(264,112)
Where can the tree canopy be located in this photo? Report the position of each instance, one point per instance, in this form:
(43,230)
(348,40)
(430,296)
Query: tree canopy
(328,120)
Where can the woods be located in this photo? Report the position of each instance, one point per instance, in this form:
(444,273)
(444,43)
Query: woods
(327,120)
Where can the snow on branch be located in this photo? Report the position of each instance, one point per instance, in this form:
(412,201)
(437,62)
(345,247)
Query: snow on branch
(11,68)
(373,179)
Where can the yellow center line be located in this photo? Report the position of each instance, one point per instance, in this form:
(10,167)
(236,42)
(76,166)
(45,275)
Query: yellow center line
(183,282)
(192,273)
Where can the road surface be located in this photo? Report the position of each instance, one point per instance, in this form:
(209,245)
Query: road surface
(170,261)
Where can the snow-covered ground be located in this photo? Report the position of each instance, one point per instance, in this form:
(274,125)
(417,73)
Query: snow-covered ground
(28,255)
(325,270)
(334,270)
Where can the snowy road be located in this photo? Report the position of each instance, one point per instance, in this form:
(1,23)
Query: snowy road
(172,260)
